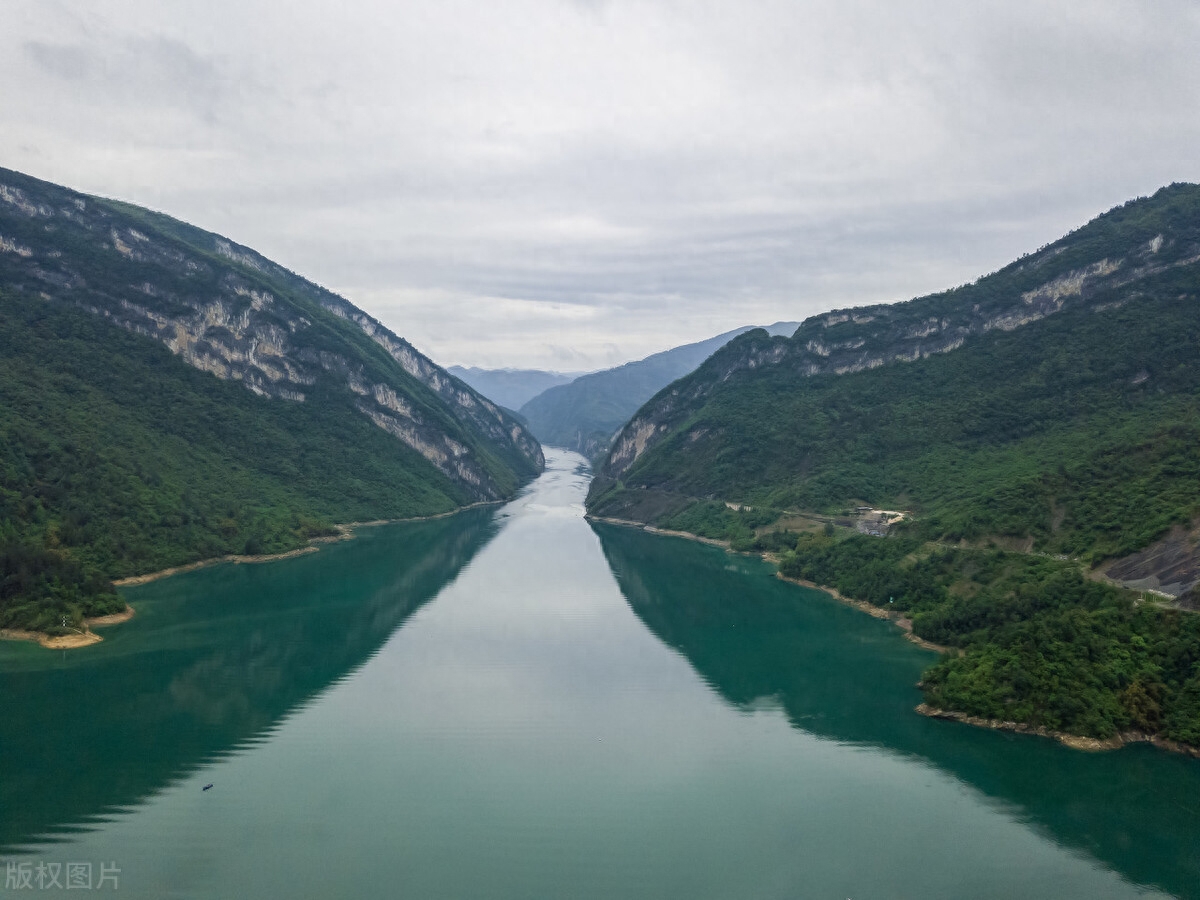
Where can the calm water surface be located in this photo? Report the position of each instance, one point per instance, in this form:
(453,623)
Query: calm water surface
(516,704)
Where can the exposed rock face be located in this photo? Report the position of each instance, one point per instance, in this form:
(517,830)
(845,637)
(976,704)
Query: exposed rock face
(229,311)
(1080,269)
(485,415)
(1170,566)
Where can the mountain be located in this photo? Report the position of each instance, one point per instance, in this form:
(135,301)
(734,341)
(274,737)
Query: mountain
(585,414)
(168,395)
(1091,332)
(511,388)
(1033,427)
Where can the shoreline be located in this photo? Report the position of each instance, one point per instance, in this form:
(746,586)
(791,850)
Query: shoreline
(236,559)
(630,523)
(345,532)
(85,638)
(901,622)
(1074,741)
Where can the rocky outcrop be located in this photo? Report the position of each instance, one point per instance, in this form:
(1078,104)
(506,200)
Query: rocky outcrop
(229,311)
(467,403)
(1170,567)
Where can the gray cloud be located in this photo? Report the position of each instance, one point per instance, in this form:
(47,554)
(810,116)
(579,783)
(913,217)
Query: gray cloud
(145,72)
(570,183)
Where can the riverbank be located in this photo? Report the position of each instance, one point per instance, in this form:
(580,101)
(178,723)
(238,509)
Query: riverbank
(345,532)
(630,523)
(135,580)
(88,637)
(901,622)
(1075,741)
(84,638)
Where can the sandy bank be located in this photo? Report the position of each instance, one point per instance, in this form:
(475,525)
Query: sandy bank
(232,558)
(114,619)
(59,642)
(84,638)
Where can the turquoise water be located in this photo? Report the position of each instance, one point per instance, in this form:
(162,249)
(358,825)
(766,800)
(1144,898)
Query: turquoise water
(514,703)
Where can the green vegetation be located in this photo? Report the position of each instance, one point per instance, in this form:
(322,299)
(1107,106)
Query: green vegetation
(117,458)
(1040,643)
(716,520)
(1075,435)
(44,590)
(1080,431)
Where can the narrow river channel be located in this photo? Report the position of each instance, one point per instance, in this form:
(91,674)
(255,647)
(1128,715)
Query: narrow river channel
(516,703)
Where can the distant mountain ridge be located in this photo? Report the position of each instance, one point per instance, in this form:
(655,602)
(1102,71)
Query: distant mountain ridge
(585,414)
(511,388)
(167,394)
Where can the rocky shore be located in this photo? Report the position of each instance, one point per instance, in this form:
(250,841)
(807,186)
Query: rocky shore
(1076,741)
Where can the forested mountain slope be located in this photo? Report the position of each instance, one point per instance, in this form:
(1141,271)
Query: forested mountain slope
(585,414)
(167,395)
(1054,399)
(1052,408)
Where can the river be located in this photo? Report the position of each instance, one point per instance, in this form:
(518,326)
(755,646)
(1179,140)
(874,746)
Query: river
(517,703)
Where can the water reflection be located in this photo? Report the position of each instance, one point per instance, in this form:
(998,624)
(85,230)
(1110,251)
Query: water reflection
(213,661)
(841,675)
(527,735)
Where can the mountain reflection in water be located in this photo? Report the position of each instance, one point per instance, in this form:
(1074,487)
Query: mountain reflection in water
(838,675)
(200,674)
(534,732)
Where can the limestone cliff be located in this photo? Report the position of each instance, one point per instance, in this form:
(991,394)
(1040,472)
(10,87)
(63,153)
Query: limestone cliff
(227,310)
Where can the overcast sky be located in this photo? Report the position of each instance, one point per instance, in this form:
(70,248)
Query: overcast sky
(569,184)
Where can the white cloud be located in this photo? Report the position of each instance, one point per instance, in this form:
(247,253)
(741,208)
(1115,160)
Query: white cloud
(566,183)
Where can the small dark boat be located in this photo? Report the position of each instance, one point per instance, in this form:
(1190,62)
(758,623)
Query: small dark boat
(206,787)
